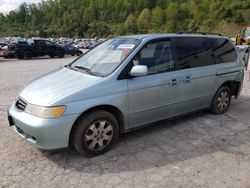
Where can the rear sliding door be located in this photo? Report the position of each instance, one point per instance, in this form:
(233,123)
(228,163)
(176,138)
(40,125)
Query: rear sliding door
(196,72)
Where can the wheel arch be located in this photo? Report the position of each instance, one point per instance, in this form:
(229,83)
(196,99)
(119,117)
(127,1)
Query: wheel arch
(58,50)
(28,50)
(234,87)
(109,108)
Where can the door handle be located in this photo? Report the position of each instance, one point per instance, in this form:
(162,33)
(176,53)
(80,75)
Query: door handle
(173,82)
(187,79)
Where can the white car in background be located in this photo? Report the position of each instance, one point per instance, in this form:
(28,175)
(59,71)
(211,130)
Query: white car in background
(2,48)
(244,52)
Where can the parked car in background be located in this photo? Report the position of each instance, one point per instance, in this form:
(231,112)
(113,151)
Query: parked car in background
(243,44)
(80,43)
(2,45)
(39,47)
(125,83)
(7,53)
(10,50)
(245,53)
(72,50)
(93,45)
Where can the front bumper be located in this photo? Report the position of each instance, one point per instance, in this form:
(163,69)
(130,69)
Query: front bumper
(8,53)
(46,134)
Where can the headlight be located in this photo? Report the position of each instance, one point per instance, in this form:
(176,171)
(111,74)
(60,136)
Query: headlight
(45,112)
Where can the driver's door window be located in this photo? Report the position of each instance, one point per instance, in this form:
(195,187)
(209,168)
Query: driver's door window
(157,56)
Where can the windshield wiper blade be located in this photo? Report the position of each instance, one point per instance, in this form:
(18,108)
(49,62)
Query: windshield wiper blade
(86,70)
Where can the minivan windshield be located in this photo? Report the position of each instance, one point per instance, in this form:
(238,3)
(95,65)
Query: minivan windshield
(105,58)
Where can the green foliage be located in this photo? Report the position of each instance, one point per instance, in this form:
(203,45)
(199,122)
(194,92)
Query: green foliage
(144,21)
(158,19)
(106,18)
(130,26)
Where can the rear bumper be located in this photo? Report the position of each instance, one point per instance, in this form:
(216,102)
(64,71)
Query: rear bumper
(47,134)
(241,83)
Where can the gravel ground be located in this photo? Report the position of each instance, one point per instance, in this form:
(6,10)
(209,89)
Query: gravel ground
(201,150)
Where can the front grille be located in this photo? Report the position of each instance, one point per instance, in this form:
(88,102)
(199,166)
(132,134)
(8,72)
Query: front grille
(21,105)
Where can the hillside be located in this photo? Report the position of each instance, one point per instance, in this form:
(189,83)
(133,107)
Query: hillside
(105,18)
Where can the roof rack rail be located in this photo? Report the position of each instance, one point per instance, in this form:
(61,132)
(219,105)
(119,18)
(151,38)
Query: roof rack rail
(202,33)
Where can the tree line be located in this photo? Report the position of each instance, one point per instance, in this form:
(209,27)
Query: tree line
(107,18)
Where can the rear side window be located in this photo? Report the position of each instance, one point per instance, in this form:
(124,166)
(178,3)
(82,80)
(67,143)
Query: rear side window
(40,42)
(48,43)
(192,52)
(223,50)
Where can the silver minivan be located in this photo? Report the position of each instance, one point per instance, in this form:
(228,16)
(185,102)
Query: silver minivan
(125,83)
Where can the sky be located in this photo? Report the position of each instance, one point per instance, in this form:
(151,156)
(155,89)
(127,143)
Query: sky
(8,5)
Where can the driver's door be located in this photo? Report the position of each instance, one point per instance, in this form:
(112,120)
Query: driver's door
(155,96)
(48,47)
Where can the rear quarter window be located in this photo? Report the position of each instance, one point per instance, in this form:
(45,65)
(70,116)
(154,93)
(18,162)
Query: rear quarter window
(191,52)
(223,50)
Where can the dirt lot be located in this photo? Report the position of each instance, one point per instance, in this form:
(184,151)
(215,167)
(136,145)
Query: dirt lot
(201,150)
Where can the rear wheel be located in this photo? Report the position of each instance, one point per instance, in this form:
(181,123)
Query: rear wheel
(61,54)
(28,55)
(52,55)
(221,100)
(95,133)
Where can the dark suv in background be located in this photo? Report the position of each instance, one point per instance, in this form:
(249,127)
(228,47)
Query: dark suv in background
(37,47)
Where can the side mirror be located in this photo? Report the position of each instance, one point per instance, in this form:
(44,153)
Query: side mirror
(139,70)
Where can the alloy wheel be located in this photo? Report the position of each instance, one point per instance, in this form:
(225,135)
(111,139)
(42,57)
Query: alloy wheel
(99,135)
(223,100)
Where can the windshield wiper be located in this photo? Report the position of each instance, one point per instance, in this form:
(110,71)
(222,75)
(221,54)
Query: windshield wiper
(86,70)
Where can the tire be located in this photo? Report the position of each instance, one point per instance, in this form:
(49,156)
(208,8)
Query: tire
(51,55)
(19,56)
(28,55)
(96,128)
(61,54)
(78,53)
(221,100)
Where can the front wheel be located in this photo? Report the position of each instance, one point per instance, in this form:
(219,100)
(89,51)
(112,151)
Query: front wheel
(95,133)
(28,55)
(221,100)
(79,53)
(20,56)
(51,55)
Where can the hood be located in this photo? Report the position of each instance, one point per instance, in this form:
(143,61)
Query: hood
(54,86)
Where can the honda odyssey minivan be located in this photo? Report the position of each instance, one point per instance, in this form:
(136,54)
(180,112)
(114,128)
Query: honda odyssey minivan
(125,83)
